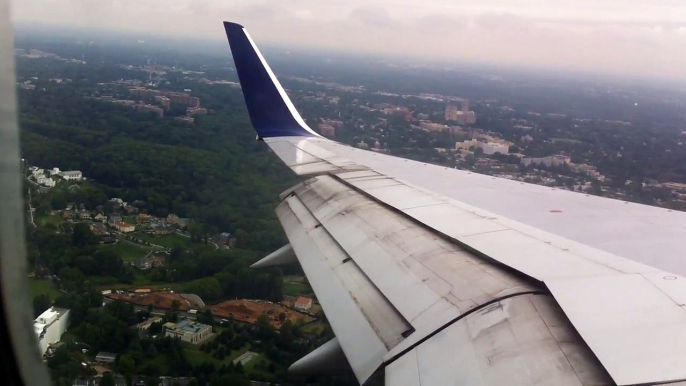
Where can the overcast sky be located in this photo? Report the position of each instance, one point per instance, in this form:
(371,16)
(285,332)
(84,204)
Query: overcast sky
(646,38)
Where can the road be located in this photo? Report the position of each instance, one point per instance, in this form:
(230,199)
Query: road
(178,232)
(122,236)
(162,311)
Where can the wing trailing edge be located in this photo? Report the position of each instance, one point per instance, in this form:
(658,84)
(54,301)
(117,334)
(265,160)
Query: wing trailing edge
(271,111)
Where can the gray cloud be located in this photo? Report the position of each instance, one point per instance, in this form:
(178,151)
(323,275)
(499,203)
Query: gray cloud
(614,36)
(376,17)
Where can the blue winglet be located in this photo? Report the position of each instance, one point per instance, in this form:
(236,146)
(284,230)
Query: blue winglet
(271,112)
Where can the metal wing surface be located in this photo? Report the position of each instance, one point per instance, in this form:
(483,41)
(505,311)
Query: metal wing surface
(438,276)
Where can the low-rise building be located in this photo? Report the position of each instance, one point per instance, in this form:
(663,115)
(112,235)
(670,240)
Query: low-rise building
(488,147)
(113,219)
(302,303)
(72,175)
(144,326)
(161,230)
(124,227)
(99,228)
(143,262)
(552,160)
(185,119)
(143,218)
(45,181)
(106,357)
(188,331)
(191,111)
(172,218)
(49,327)
(100,217)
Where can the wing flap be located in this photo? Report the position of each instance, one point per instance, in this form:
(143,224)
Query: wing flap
(514,341)
(362,319)
(404,281)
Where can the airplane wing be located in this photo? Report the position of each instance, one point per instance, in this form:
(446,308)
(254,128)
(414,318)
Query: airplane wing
(438,276)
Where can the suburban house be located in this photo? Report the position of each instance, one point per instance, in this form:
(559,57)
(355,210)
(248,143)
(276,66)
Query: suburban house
(143,218)
(143,327)
(172,218)
(105,357)
(99,229)
(143,262)
(124,227)
(67,213)
(302,303)
(160,230)
(188,331)
(85,214)
(158,260)
(130,209)
(100,217)
(113,219)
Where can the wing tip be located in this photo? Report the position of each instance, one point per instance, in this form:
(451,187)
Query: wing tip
(271,112)
(230,24)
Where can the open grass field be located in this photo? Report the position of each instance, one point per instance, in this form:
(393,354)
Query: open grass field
(167,241)
(39,287)
(127,251)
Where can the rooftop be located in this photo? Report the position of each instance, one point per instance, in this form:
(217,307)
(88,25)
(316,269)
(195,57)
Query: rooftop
(104,356)
(301,301)
(188,325)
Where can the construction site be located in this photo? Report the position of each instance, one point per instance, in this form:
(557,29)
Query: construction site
(248,310)
(241,310)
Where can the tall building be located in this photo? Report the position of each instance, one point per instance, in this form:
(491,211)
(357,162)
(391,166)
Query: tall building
(163,101)
(450,112)
(183,98)
(50,326)
(143,108)
(327,130)
(143,92)
(463,115)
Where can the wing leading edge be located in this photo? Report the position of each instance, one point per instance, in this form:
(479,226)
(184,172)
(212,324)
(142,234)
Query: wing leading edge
(436,291)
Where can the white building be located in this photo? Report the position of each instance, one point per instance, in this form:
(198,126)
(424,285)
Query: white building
(488,147)
(50,326)
(492,148)
(35,171)
(72,175)
(46,181)
(547,161)
(188,331)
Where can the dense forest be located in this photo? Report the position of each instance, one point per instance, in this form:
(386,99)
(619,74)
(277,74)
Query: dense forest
(214,171)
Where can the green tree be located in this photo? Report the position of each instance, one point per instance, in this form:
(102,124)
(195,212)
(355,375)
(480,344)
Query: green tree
(126,365)
(83,236)
(41,303)
(107,379)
